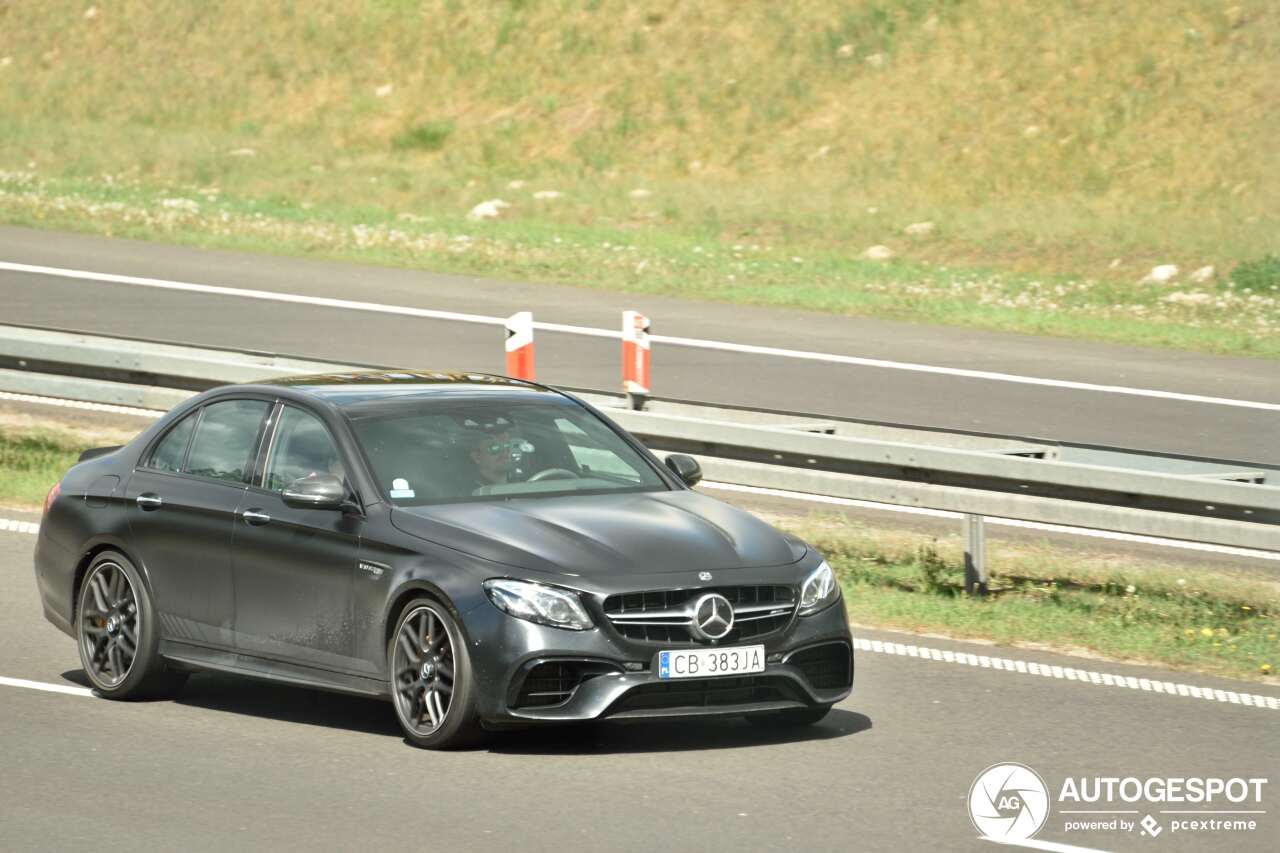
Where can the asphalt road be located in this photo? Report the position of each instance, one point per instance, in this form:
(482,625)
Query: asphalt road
(236,764)
(767,381)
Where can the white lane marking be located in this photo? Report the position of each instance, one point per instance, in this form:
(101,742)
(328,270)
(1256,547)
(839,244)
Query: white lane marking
(12,525)
(1068,673)
(696,343)
(1036,844)
(80,404)
(48,688)
(1000,522)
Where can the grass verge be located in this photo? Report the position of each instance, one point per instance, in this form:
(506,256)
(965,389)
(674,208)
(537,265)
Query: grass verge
(1117,607)
(31,462)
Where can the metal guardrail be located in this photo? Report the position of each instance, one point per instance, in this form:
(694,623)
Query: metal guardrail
(1211,501)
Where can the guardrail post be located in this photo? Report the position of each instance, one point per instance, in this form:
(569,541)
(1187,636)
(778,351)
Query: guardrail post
(975,556)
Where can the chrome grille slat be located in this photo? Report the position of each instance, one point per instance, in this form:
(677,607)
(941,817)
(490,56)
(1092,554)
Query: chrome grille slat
(665,616)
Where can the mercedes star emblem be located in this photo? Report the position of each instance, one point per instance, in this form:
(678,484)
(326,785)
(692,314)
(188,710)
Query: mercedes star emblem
(712,617)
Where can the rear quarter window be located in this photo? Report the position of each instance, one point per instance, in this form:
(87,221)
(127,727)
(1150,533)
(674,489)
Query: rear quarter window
(169,454)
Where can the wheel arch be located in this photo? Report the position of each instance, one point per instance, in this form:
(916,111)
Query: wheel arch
(410,590)
(91,552)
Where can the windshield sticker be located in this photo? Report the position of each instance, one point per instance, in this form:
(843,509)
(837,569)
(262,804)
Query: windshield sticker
(400,488)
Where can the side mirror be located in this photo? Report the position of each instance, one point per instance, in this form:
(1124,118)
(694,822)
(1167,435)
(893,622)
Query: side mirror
(686,468)
(317,491)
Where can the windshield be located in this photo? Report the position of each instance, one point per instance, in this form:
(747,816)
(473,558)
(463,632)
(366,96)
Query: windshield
(444,451)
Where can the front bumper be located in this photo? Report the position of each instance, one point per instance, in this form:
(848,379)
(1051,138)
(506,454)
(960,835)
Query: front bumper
(625,684)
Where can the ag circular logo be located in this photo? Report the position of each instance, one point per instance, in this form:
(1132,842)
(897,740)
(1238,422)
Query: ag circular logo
(1008,802)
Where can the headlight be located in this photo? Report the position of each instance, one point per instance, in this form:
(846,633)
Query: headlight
(820,589)
(539,603)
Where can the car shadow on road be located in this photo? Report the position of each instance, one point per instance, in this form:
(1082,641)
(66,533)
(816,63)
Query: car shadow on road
(671,735)
(255,698)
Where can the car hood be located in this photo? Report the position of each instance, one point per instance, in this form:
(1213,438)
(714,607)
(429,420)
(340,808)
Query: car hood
(601,535)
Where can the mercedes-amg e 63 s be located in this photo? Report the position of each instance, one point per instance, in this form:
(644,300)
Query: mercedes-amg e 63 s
(485,552)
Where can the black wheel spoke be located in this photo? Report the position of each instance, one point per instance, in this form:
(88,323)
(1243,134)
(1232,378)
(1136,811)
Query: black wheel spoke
(113,655)
(99,594)
(434,708)
(446,671)
(409,647)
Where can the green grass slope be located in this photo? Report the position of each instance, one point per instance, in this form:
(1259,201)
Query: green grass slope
(1093,138)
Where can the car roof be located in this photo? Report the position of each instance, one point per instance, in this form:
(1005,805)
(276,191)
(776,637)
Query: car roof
(365,390)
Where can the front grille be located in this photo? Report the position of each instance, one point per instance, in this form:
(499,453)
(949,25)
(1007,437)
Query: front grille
(828,666)
(695,693)
(553,682)
(664,616)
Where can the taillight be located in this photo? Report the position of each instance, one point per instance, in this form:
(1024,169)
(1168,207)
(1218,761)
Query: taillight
(52,496)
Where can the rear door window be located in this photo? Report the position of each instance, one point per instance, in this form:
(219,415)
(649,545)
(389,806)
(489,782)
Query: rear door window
(226,440)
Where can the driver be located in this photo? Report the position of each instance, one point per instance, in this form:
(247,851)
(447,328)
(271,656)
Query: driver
(491,452)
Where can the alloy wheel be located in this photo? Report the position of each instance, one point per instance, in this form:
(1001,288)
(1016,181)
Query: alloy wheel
(423,664)
(109,625)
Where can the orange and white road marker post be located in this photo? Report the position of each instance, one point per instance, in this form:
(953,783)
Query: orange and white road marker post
(635,357)
(520,345)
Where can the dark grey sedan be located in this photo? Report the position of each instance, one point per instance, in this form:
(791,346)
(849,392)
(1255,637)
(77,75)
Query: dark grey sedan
(485,552)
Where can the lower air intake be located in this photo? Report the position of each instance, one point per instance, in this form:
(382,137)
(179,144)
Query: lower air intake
(828,666)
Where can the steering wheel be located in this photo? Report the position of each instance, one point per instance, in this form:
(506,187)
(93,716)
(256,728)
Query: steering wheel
(552,474)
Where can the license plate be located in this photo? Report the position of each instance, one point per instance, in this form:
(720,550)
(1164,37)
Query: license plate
(702,663)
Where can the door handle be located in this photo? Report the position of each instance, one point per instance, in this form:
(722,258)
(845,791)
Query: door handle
(149,501)
(255,517)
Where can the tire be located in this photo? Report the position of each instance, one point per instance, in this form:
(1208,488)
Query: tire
(117,633)
(790,718)
(431,679)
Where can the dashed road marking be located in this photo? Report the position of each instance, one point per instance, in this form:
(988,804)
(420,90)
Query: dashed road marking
(1067,673)
(588,331)
(12,525)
